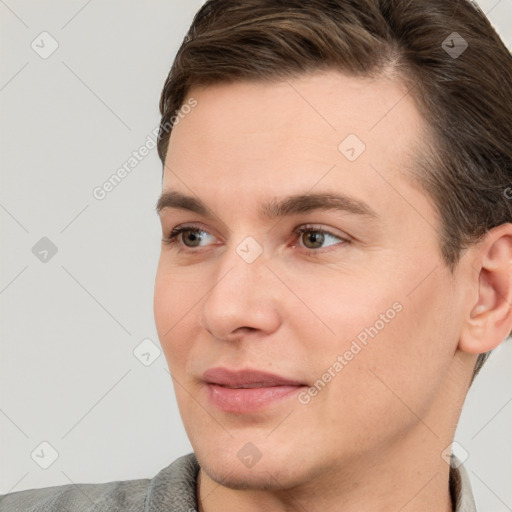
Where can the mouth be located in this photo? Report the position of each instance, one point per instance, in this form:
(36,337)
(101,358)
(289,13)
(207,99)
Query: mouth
(246,391)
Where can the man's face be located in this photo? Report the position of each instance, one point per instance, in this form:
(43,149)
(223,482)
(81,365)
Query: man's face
(364,321)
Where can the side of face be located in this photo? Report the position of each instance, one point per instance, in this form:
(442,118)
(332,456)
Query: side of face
(371,311)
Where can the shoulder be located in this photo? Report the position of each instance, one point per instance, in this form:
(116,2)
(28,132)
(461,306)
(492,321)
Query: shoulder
(114,496)
(173,485)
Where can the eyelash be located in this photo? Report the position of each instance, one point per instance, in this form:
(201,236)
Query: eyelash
(173,237)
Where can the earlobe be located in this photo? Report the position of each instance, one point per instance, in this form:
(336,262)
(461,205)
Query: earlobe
(489,321)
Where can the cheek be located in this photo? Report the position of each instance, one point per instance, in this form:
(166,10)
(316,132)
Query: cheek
(342,307)
(403,365)
(377,335)
(173,307)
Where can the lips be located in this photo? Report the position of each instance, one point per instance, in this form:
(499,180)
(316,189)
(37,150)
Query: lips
(246,378)
(245,391)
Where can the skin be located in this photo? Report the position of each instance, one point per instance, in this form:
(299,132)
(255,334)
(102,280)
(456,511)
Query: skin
(372,438)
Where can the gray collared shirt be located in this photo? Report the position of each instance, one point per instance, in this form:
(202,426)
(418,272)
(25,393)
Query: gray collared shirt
(173,489)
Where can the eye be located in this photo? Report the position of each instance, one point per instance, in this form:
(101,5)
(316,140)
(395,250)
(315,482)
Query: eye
(316,238)
(188,236)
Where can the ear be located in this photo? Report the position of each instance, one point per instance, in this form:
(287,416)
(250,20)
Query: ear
(489,321)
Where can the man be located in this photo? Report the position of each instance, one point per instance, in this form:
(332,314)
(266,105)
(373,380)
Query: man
(335,262)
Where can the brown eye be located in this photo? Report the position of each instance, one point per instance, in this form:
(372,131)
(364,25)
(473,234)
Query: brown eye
(188,236)
(191,237)
(313,239)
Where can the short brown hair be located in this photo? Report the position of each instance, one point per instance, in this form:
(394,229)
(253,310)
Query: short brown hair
(465,162)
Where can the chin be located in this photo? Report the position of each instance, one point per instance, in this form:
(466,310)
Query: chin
(255,482)
(277,469)
(235,476)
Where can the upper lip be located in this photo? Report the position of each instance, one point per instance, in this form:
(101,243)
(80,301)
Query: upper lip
(246,378)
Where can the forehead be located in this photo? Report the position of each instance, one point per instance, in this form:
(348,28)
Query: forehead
(326,129)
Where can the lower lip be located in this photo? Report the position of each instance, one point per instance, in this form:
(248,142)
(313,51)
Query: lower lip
(246,400)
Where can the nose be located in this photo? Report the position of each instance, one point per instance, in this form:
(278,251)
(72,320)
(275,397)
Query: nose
(243,299)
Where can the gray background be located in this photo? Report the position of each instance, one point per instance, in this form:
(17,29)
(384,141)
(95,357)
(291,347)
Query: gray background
(68,373)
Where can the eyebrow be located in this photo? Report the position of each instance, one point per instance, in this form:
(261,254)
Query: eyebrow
(291,205)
